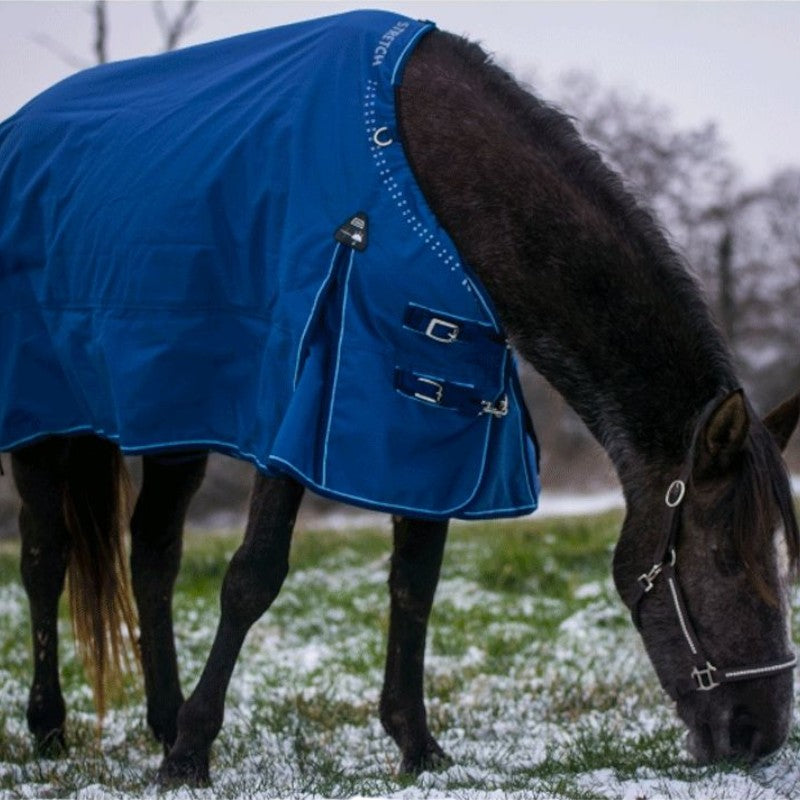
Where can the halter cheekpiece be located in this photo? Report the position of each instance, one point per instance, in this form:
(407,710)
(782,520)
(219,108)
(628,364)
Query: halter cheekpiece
(704,676)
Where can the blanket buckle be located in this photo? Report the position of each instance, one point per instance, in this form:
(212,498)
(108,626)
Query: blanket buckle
(435,392)
(441,330)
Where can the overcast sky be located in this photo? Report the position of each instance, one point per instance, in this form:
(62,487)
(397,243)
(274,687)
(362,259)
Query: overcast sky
(736,63)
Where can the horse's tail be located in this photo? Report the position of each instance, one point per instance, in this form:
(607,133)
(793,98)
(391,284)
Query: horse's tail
(96,497)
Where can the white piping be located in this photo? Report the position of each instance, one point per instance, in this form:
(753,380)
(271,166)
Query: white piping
(738,673)
(680,616)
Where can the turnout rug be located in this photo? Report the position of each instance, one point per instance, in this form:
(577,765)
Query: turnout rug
(225,248)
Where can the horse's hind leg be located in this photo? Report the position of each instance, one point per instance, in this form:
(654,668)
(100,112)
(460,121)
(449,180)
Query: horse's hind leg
(169,482)
(416,561)
(253,580)
(39,473)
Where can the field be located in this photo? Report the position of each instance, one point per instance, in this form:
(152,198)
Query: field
(537,684)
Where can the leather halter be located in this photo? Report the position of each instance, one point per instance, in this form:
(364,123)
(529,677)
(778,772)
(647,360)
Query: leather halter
(704,675)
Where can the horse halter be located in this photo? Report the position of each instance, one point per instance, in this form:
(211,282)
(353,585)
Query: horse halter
(704,676)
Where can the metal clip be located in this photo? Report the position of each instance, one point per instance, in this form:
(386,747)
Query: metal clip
(451,330)
(647,579)
(498,409)
(434,398)
(704,682)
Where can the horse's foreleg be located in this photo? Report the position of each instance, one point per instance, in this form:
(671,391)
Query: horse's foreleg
(417,558)
(253,580)
(38,474)
(168,484)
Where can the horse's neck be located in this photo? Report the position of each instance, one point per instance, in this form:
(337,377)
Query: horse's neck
(586,286)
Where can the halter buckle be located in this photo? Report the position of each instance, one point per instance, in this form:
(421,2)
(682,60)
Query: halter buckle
(703,678)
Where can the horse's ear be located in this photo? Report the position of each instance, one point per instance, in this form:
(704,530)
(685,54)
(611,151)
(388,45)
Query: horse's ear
(782,421)
(722,437)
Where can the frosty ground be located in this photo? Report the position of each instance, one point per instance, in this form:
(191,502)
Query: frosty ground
(537,684)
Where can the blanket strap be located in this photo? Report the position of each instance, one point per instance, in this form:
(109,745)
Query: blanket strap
(448,329)
(436,391)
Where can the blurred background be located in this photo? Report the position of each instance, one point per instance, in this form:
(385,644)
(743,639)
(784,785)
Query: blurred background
(695,104)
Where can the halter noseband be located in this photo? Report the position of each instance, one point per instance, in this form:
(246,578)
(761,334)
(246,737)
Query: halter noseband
(704,676)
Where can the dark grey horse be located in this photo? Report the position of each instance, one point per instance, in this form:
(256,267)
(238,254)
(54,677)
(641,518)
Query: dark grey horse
(592,296)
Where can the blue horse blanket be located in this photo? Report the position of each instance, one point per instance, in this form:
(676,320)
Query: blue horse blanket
(225,248)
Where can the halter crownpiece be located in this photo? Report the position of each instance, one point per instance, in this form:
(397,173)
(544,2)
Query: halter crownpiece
(704,676)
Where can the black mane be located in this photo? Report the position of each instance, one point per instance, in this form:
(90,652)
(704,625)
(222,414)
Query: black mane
(612,306)
(761,484)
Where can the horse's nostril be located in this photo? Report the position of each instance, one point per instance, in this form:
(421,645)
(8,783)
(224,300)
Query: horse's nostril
(743,736)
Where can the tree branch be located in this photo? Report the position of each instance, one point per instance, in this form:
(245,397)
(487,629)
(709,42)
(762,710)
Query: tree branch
(100,31)
(55,47)
(177,27)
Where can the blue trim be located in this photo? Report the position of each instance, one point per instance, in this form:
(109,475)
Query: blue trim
(225,448)
(515,511)
(401,60)
(516,391)
(391,508)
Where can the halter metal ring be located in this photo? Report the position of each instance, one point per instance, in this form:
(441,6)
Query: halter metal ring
(675,494)
(381,137)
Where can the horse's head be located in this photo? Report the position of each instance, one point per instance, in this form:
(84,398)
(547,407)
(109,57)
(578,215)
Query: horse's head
(704,563)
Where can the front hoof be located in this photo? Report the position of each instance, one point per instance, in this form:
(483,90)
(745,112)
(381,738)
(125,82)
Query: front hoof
(430,759)
(51,745)
(176,770)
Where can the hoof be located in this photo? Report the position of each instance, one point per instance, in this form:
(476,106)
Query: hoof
(176,770)
(50,745)
(430,759)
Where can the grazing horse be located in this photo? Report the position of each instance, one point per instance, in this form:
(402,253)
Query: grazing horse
(548,251)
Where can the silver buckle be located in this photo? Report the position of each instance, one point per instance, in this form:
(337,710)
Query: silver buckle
(437,395)
(499,409)
(703,680)
(451,330)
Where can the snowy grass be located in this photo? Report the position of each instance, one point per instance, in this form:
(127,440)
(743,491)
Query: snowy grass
(537,684)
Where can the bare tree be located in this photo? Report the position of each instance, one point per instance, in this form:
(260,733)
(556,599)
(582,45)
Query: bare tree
(173,27)
(742,241)
(100,31)
(176,27)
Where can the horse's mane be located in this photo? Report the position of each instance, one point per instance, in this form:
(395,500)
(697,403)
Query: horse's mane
(761,484)
(621,239)
(556,136)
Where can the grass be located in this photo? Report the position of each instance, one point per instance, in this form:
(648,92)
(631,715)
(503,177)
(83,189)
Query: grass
(537,685)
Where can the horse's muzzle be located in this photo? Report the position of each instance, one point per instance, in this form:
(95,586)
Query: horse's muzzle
(741,726)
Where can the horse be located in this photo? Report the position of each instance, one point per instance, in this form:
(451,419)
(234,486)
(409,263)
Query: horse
(591,293)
